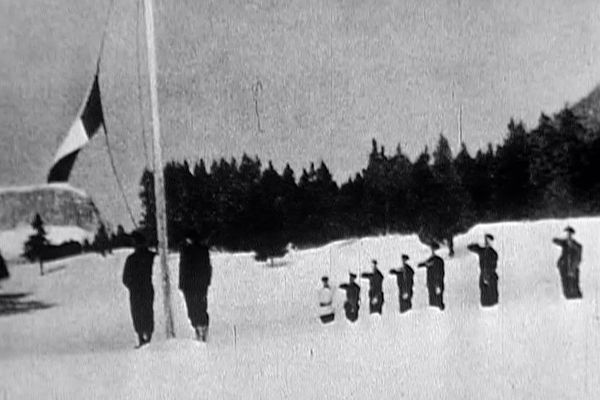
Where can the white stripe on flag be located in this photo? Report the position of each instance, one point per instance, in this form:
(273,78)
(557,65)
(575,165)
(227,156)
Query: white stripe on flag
(75,140)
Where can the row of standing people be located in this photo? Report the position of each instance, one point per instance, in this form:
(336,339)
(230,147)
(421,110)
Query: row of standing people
(568,266)
(195,273)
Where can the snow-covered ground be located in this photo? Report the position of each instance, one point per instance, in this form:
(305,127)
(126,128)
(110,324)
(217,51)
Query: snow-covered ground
(266,341)
(12,241)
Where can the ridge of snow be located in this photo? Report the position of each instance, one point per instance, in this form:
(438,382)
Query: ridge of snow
(43,186)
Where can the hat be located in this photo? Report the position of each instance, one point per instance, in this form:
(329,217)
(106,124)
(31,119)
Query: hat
(352,275)
(434,245)
(325,278)
(404,257)
(569,229)
(489,236)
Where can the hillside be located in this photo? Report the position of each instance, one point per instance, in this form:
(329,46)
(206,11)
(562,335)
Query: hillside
(588,109)
(266,342)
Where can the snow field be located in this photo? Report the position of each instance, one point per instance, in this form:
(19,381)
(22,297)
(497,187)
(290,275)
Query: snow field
(266,341)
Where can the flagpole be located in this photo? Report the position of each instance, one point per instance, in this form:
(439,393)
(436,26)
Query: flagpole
(159,182)
(460,131)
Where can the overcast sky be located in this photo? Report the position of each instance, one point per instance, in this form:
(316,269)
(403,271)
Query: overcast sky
(334,74)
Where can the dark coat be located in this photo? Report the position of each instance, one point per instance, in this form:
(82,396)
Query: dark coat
(195,270)
(375,281)
(137,274)
(435,271)
(137,277)
(570,258)
(352,293)
(404,279)
(488,260)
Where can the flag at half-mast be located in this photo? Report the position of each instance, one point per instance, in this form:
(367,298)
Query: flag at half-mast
(89,120)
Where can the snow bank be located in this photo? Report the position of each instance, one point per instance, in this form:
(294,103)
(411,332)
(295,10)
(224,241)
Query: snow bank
(266,341)
(12,241)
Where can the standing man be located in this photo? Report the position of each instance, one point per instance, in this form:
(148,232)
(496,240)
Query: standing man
(375,288)
(352,303)
(137,277)
(405,279)
(195,273)
(568,264)
(435,277)
(327,314)
(488,278)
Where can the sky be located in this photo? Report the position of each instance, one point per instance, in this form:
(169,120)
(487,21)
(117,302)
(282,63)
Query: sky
(325,77)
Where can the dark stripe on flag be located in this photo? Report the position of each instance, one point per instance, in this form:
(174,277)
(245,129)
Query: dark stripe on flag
(62,169)
(85,126)
(92,116)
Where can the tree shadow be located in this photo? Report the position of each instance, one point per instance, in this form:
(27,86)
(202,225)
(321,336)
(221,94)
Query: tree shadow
(54,269)
(17,303)
(276,263)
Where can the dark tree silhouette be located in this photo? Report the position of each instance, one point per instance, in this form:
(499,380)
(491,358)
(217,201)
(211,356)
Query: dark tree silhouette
(37,244)
(548,171)
(102,243)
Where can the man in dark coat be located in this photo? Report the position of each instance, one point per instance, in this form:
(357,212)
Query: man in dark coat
(137,277)
(195,273)
(375,288)
(435,278)
(352,303)
(405,279)
(488,278)
(3,269)
(568,264)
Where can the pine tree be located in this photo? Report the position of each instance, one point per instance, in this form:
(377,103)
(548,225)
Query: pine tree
(102,240)
(512,185)
(399,186)
(422,198)
(204,212)
(148,222)
(37,244)
(378,193)
(271,239)
(452,201)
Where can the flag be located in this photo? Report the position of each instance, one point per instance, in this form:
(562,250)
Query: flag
(83,129)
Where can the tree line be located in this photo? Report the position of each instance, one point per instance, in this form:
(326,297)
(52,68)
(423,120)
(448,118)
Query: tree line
(38,248)
(548,171)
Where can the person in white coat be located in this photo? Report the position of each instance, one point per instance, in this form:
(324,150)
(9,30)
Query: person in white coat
(326,312)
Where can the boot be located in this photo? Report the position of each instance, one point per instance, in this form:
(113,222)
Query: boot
(201,333)
(204,333)
(141,340)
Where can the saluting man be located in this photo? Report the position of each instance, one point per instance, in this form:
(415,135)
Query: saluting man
(435,277)
(488,278)
(375,288)
(405,279)
(568,264)
(352,304)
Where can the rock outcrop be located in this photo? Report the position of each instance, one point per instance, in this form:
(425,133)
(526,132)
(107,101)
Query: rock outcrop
(57,203)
